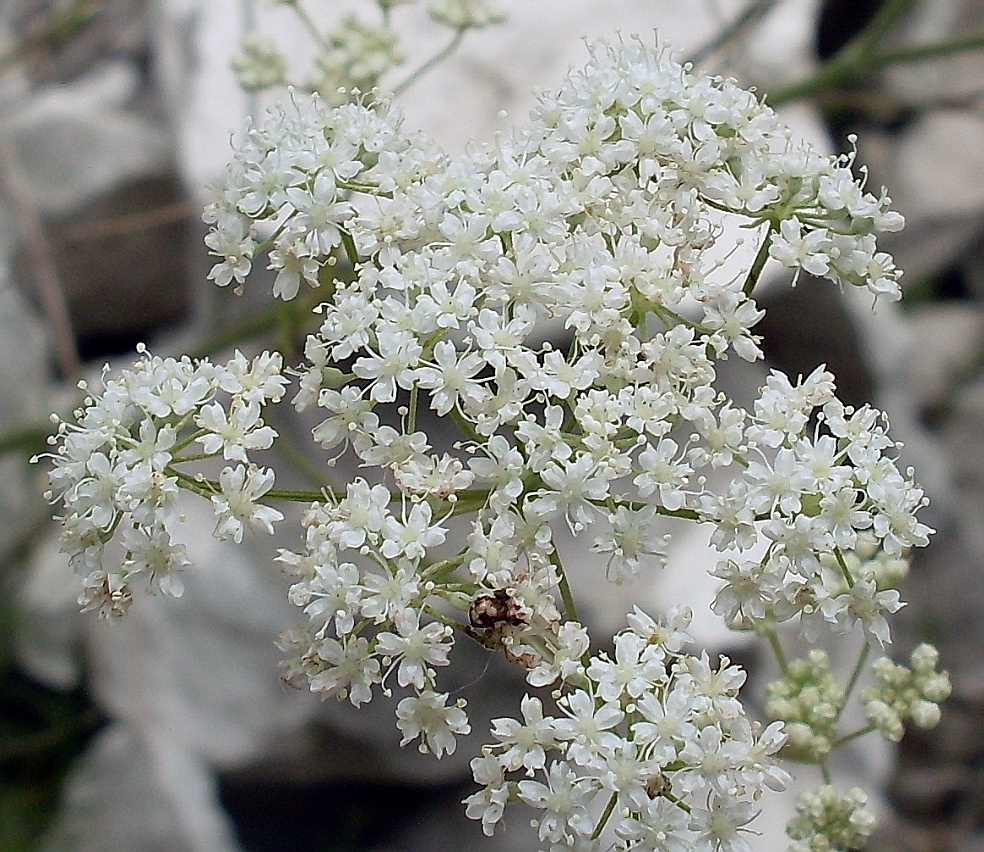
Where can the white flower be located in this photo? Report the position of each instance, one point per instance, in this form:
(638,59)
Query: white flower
(152,551)
(412,537)
(809,250)
(665,473)
(428,716)
(588,726)
(334,593)
(351,670)
(258,380)
(417,648)
(637,666)
(441,476)
(292,266)
(387,594)
(632,540)
(571,488)
(600,219)
(503,468)
(352,416)
(399,352)
(452,379)
(360,515)
(489,803)
(564,799)
(526,741)
(236,505)
(241,430)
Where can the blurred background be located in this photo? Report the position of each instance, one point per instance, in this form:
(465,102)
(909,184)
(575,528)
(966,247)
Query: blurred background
(172,731)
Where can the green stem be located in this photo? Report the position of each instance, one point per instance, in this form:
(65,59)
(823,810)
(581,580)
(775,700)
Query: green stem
(860,732)
(683,806)
(203,488)
(842,564)
(638,506)
(195,457)
(778,652)
(665,313)
(758,264)
(603,819)
(351,252)
(431,63)
(922,52)
(465,426)
(364,188)
(285,331)
(207,487)
(857,58)
(855,676)
(566,595)
(754,12)
(469,501)
(412,409)
(307,22)
(440,572)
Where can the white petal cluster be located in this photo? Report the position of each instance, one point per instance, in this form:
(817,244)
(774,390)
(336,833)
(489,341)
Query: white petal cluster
(598,217)
(635,734)
(388,592)
(559,296)
(116,470)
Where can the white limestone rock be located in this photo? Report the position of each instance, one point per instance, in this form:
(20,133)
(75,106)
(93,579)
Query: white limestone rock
(77,141)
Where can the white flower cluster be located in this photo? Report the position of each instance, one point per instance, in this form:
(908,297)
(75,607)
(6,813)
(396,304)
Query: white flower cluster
(637,733)
(560,295)
(465,14)
(622,165)
(260,65)
(903,694)
(355,56)
(116,469)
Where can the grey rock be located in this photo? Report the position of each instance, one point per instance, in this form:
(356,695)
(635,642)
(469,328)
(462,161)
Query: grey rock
(23,380)
(136,790)
(76,141)
(121,260)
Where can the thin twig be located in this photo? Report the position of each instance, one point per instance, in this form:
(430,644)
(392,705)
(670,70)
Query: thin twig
(41,256)
(858,57)
(924,52)
(128,223)
(754,12)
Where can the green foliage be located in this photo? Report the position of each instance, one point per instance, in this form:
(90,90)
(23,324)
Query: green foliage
(42,731)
